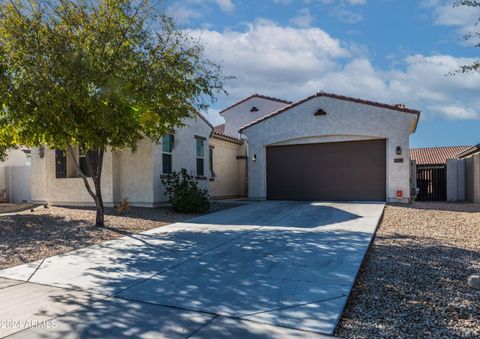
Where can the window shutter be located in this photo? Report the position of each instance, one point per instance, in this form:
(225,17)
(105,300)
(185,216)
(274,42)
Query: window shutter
(60,164)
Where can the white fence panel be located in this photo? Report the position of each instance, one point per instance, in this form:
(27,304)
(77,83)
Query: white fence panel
(18,182)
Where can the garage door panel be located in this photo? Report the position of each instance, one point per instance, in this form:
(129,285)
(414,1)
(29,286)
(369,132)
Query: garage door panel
(328,171)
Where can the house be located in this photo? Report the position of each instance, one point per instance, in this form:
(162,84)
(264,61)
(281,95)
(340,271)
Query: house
(331,147)
(324,147)
(431,170)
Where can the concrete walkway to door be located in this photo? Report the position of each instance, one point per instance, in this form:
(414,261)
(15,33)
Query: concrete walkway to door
(268,270)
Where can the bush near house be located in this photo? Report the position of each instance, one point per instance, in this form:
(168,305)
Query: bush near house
(184,193)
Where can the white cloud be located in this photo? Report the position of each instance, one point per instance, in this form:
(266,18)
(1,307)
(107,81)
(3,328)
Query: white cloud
(347,11)
(225,5)
(182,13)
(456,112)
(293,63)
(303,19)
(456,16)
(268,51)
(444,13)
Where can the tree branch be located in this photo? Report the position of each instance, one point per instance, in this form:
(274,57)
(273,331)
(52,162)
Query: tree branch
(82,175)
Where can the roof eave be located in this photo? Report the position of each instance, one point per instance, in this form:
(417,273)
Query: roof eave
(225,137)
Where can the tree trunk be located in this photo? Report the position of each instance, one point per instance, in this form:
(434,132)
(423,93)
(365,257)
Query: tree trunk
(95,170)
(100,218)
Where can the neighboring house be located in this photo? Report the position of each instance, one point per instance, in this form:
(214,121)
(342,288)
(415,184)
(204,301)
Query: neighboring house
(431,170)
(469,152)
(325,147)
(463,176)
(15,176)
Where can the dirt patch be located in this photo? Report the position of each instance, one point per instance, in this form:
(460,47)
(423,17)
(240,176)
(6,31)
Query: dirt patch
(413,282)
(28,236)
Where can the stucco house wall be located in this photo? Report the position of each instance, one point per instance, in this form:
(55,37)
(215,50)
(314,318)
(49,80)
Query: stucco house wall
(239,115)
(229,166)
(345,121)
(183,155)
(46,188)
(135,173)
(134,176)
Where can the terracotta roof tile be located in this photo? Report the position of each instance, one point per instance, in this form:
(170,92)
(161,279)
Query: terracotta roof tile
(219,129)
(226,136)
(435,155)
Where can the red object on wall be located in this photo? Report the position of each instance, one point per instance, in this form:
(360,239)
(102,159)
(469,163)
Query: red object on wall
(399,194)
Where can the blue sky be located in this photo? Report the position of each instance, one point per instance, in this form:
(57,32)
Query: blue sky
(393,51)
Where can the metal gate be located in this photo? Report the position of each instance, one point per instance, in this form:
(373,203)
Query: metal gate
(432,183)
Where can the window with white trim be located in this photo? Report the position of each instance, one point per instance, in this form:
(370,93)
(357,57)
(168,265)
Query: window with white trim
(167,149)
(200,157)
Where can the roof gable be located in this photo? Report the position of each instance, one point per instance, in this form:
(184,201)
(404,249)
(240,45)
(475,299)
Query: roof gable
(255,96)
(400,108)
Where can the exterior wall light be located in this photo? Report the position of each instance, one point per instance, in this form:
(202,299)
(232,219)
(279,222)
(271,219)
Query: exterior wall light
(41,152)
(399,150)
(254,157)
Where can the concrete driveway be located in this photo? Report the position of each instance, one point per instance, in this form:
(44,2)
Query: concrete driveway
(267,270)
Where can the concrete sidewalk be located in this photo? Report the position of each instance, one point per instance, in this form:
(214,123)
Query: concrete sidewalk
(269,270)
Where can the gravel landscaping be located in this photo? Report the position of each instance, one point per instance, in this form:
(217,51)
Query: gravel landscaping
(413,282)
(27,236)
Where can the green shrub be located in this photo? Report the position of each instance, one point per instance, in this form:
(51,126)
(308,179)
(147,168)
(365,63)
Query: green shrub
(184,194)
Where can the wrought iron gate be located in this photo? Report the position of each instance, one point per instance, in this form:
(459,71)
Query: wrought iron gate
(432,183)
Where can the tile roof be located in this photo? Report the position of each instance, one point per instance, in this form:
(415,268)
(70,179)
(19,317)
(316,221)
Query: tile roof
(400,108)
(469,151)
(435,155)
(227,137)
(219,129)
(255,96)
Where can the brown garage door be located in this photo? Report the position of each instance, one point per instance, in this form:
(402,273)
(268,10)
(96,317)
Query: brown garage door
(328,171)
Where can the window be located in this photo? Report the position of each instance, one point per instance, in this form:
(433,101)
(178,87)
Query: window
(200,157)
(83,157)
(60,164)
(167,148)
(210,161)
(65,165)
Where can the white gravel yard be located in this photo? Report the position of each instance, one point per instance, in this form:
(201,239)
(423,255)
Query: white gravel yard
(27,236)
(413,282)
